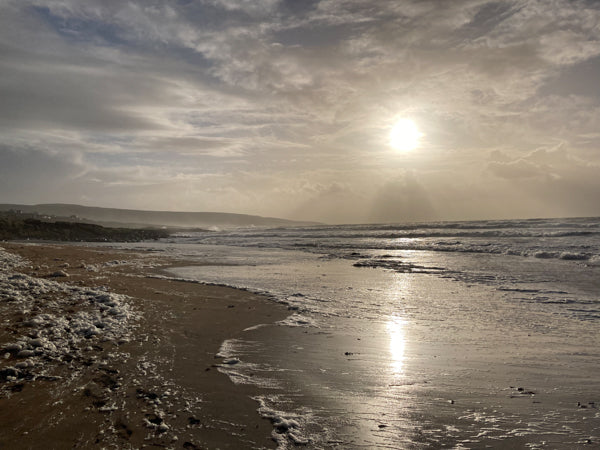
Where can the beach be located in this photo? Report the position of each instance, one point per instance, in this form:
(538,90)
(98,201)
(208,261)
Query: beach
(149,379)
(448,335)
(433,335)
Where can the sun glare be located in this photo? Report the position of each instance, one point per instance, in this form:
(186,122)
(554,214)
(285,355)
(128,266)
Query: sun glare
(397,343)
(405,135)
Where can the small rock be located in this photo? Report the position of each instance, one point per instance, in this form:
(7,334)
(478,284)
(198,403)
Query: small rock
(193,421)
(59,274)
(9,373)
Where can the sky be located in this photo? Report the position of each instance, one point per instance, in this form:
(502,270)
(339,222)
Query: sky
(284,108)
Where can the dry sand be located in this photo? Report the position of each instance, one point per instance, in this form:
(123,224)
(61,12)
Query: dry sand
(158,387)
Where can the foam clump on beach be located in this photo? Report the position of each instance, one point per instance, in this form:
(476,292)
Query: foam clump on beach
(299,320)
(287,431)
(53,322)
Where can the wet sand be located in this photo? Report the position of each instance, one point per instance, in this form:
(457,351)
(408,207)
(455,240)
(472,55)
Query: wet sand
(159,387)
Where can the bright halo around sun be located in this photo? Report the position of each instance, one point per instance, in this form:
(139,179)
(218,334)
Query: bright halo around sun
(405,135)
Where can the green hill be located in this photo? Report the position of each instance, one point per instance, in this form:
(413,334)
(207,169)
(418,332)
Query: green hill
(138,218)
(17,227)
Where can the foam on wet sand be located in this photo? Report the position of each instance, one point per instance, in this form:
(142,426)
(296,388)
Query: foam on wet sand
(103,355)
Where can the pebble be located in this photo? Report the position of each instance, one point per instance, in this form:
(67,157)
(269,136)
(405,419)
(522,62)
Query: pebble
(59,274)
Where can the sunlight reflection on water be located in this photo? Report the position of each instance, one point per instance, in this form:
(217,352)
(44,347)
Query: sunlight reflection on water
(396,331)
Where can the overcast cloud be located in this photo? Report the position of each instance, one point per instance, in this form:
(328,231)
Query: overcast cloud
(283,107)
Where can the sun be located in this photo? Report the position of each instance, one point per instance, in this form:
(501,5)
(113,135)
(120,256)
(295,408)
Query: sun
(405,135)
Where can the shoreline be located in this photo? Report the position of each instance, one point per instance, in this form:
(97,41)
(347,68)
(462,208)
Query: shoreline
(154,384)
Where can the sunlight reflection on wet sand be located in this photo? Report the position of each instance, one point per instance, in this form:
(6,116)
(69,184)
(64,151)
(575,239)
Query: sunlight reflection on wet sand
(396,330)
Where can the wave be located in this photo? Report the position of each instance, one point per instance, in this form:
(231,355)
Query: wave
(564,239)
(356,233)
(592,222)
(344,248)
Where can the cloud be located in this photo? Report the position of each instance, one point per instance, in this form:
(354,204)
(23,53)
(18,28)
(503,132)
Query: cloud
(540,162)
(193,99)
(402,200)
(554,181)
(251,7)
(333,202)
(515,169)
(48,174)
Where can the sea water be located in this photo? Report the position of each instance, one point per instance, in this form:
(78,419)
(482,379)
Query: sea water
(451,334)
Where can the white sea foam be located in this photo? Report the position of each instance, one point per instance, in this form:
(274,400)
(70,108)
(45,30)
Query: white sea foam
(227,349)
(54,322)
(287,428)
(594,260)
(299,320)
(529,289)
(244,372)
(255,327)
(574,256)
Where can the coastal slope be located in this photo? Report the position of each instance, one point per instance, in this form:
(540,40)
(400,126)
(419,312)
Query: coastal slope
(130,217)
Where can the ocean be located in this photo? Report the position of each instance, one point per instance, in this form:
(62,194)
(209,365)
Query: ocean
(427,335)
